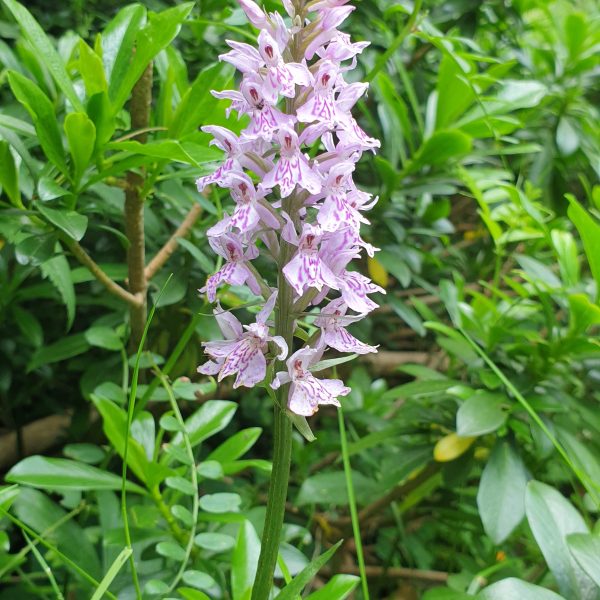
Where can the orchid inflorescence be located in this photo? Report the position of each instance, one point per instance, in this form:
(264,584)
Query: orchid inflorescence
(301,209)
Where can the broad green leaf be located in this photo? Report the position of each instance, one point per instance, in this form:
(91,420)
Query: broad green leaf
(118,39)
(114,420)
(57,270)
(585,548)
(198,579)
(222,502)
(191,594)
(103,337)
(337,588)
(35,509)
(44,118)
(516,589)
(210,469)
(45,51)
(551,518)
(63,473)
(66,347)
(441,147)
(81,135)
(87,453)
(589,230)
(501,495)
(69,221)
(171,550)
(29,325)
(566,251)
(295,587)
(482,413)
(330,488)
(445,593)
(91,69)
(48,189)
(153,37)
(214,542)
(181,484)
(582,314)
(9,176)
(209,419)
(237,445)
(244,562)
(185,152)
(183,514)
(198,104)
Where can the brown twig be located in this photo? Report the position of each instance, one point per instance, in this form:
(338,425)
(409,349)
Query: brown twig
(396,573)
(139,107)
(87,261)
(170,246)
(396,493)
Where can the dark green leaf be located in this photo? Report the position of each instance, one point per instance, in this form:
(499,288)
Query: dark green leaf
(67,347)
(482,413)
(81,135)
(209,419)
(237,445)
(62,473)
(57,270)
(44,50)
(501,495)
(69,221)
(44,118)
(103,337)
(9,176)
(244,562)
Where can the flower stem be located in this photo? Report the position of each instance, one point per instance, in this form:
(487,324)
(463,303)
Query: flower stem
(282,447)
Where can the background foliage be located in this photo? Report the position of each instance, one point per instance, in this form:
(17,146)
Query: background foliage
(470,441)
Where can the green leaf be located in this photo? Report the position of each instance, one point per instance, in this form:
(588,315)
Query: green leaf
(44,50)
(295,587)
(39,512)
(204,262)
(48,189)
(112,572)
(585,548)
(222,502)
(214,542)
(332,362)
(337,588)
(156,35)
(192,594)
(44,118)
(551,518)
(566,251)
(210,469)
(171,550)
(66,347)
(184,152)
(589,230)
(69,221)
(81,135)
(244,562)
(210,418)
(501,495)
(118,39)
(441,147)
(57,270)
(482,413)
(87,453)
(516,589)
(567,138)
(114,421)
(63,473)
(330,488)
(198,103)
(29,325)
(582,314)
(237,445)
(92,71)
(199,580)
(103,337)
(181,484)
(9,176)
(183,514)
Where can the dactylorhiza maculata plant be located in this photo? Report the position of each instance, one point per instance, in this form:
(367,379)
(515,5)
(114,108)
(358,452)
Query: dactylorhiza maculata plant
(290,175)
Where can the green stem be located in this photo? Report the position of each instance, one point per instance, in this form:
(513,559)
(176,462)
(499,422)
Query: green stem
(282,448)
(352,503)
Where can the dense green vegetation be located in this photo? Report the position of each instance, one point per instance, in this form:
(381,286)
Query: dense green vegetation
(469,442)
